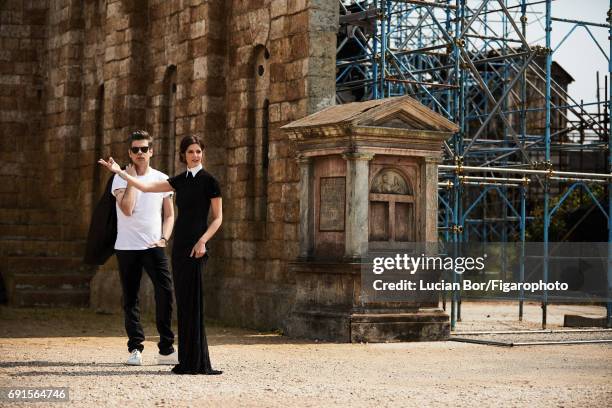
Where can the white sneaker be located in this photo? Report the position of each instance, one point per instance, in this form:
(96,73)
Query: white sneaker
(170,359)
(135,358)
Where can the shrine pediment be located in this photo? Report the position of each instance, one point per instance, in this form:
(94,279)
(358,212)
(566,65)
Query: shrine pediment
(401,112)
(400,119)
(405,113)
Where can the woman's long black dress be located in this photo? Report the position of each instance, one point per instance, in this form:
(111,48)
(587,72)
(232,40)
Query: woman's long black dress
(193,195)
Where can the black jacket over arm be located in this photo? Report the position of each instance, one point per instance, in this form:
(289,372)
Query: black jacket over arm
(102,229)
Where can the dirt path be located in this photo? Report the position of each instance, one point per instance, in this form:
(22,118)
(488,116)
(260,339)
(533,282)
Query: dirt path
(83,351)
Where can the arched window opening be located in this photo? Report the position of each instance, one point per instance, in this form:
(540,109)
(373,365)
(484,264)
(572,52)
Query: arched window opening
(260,106)
(168,157)
(98,180)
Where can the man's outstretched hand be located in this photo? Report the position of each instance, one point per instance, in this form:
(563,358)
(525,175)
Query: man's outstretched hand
(110,164)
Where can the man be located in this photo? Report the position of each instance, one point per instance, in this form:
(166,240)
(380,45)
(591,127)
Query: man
(144,223)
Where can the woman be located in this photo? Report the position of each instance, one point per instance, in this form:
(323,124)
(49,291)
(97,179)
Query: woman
(197,191)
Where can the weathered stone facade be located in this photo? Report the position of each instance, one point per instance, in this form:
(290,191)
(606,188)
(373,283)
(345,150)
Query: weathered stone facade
(77,76)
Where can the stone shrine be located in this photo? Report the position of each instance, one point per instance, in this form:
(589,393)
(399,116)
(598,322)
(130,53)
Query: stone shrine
(368,178)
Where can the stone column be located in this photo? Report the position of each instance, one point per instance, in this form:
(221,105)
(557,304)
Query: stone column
(429,177)
(357,202)
(306,194)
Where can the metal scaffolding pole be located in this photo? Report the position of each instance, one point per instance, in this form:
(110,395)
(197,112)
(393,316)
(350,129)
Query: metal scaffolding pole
(609,304)
(506,170)
(547,144)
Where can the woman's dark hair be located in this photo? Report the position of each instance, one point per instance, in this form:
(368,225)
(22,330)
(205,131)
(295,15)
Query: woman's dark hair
(185,143)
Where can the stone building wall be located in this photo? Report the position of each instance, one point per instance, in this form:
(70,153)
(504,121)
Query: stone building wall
(23,36)
(82,74)
(282,56)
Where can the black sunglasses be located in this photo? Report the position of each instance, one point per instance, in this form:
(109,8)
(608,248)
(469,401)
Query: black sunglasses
(143,149)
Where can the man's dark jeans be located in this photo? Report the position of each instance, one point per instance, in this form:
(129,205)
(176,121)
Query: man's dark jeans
(155,263)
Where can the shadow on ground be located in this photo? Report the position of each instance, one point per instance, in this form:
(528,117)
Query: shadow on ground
(73,322)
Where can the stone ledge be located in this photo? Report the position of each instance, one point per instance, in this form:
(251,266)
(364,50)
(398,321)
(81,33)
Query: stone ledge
(347,327)
(584,321)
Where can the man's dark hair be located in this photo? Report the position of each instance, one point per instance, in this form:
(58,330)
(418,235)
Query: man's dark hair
(185,143)
(140,135)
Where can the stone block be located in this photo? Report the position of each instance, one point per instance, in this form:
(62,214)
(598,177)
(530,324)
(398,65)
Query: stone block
(323,17)
(158,11)
(198,29)
(274,112)
(200,47)
(292,213)
(276,212)
(194,106)
(295,6)
(278,90)
(239,173)
(297,69)
(199,12)
(319,326)
(290,232)
(299,46)
(6,56)
(274,192)
(315,104)
(237,138)
(322,45)
(278,8)
(15,30)
(276,170)
(117,22)
(275,231)
(277,28)
(416,326)
(584,321)
(278,72)
(243,249)
(238,189)
(179,53)
(212,104)
(297,23)
(208,66)
(296,90)
(280,49)
(9,185)
(289,193)
(319,67)
(259,26)
(115,9)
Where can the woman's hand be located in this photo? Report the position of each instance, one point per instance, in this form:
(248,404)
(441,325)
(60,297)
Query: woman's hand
(131,170)
(199,249)
(110,164)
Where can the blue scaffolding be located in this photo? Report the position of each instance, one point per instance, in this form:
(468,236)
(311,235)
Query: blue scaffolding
(471,62)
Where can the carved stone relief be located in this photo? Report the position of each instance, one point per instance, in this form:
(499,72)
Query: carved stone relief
(390,182)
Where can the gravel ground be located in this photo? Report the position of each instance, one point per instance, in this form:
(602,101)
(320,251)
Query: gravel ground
(83,351)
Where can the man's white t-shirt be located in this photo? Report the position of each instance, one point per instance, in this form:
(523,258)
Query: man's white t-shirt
(144,226)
